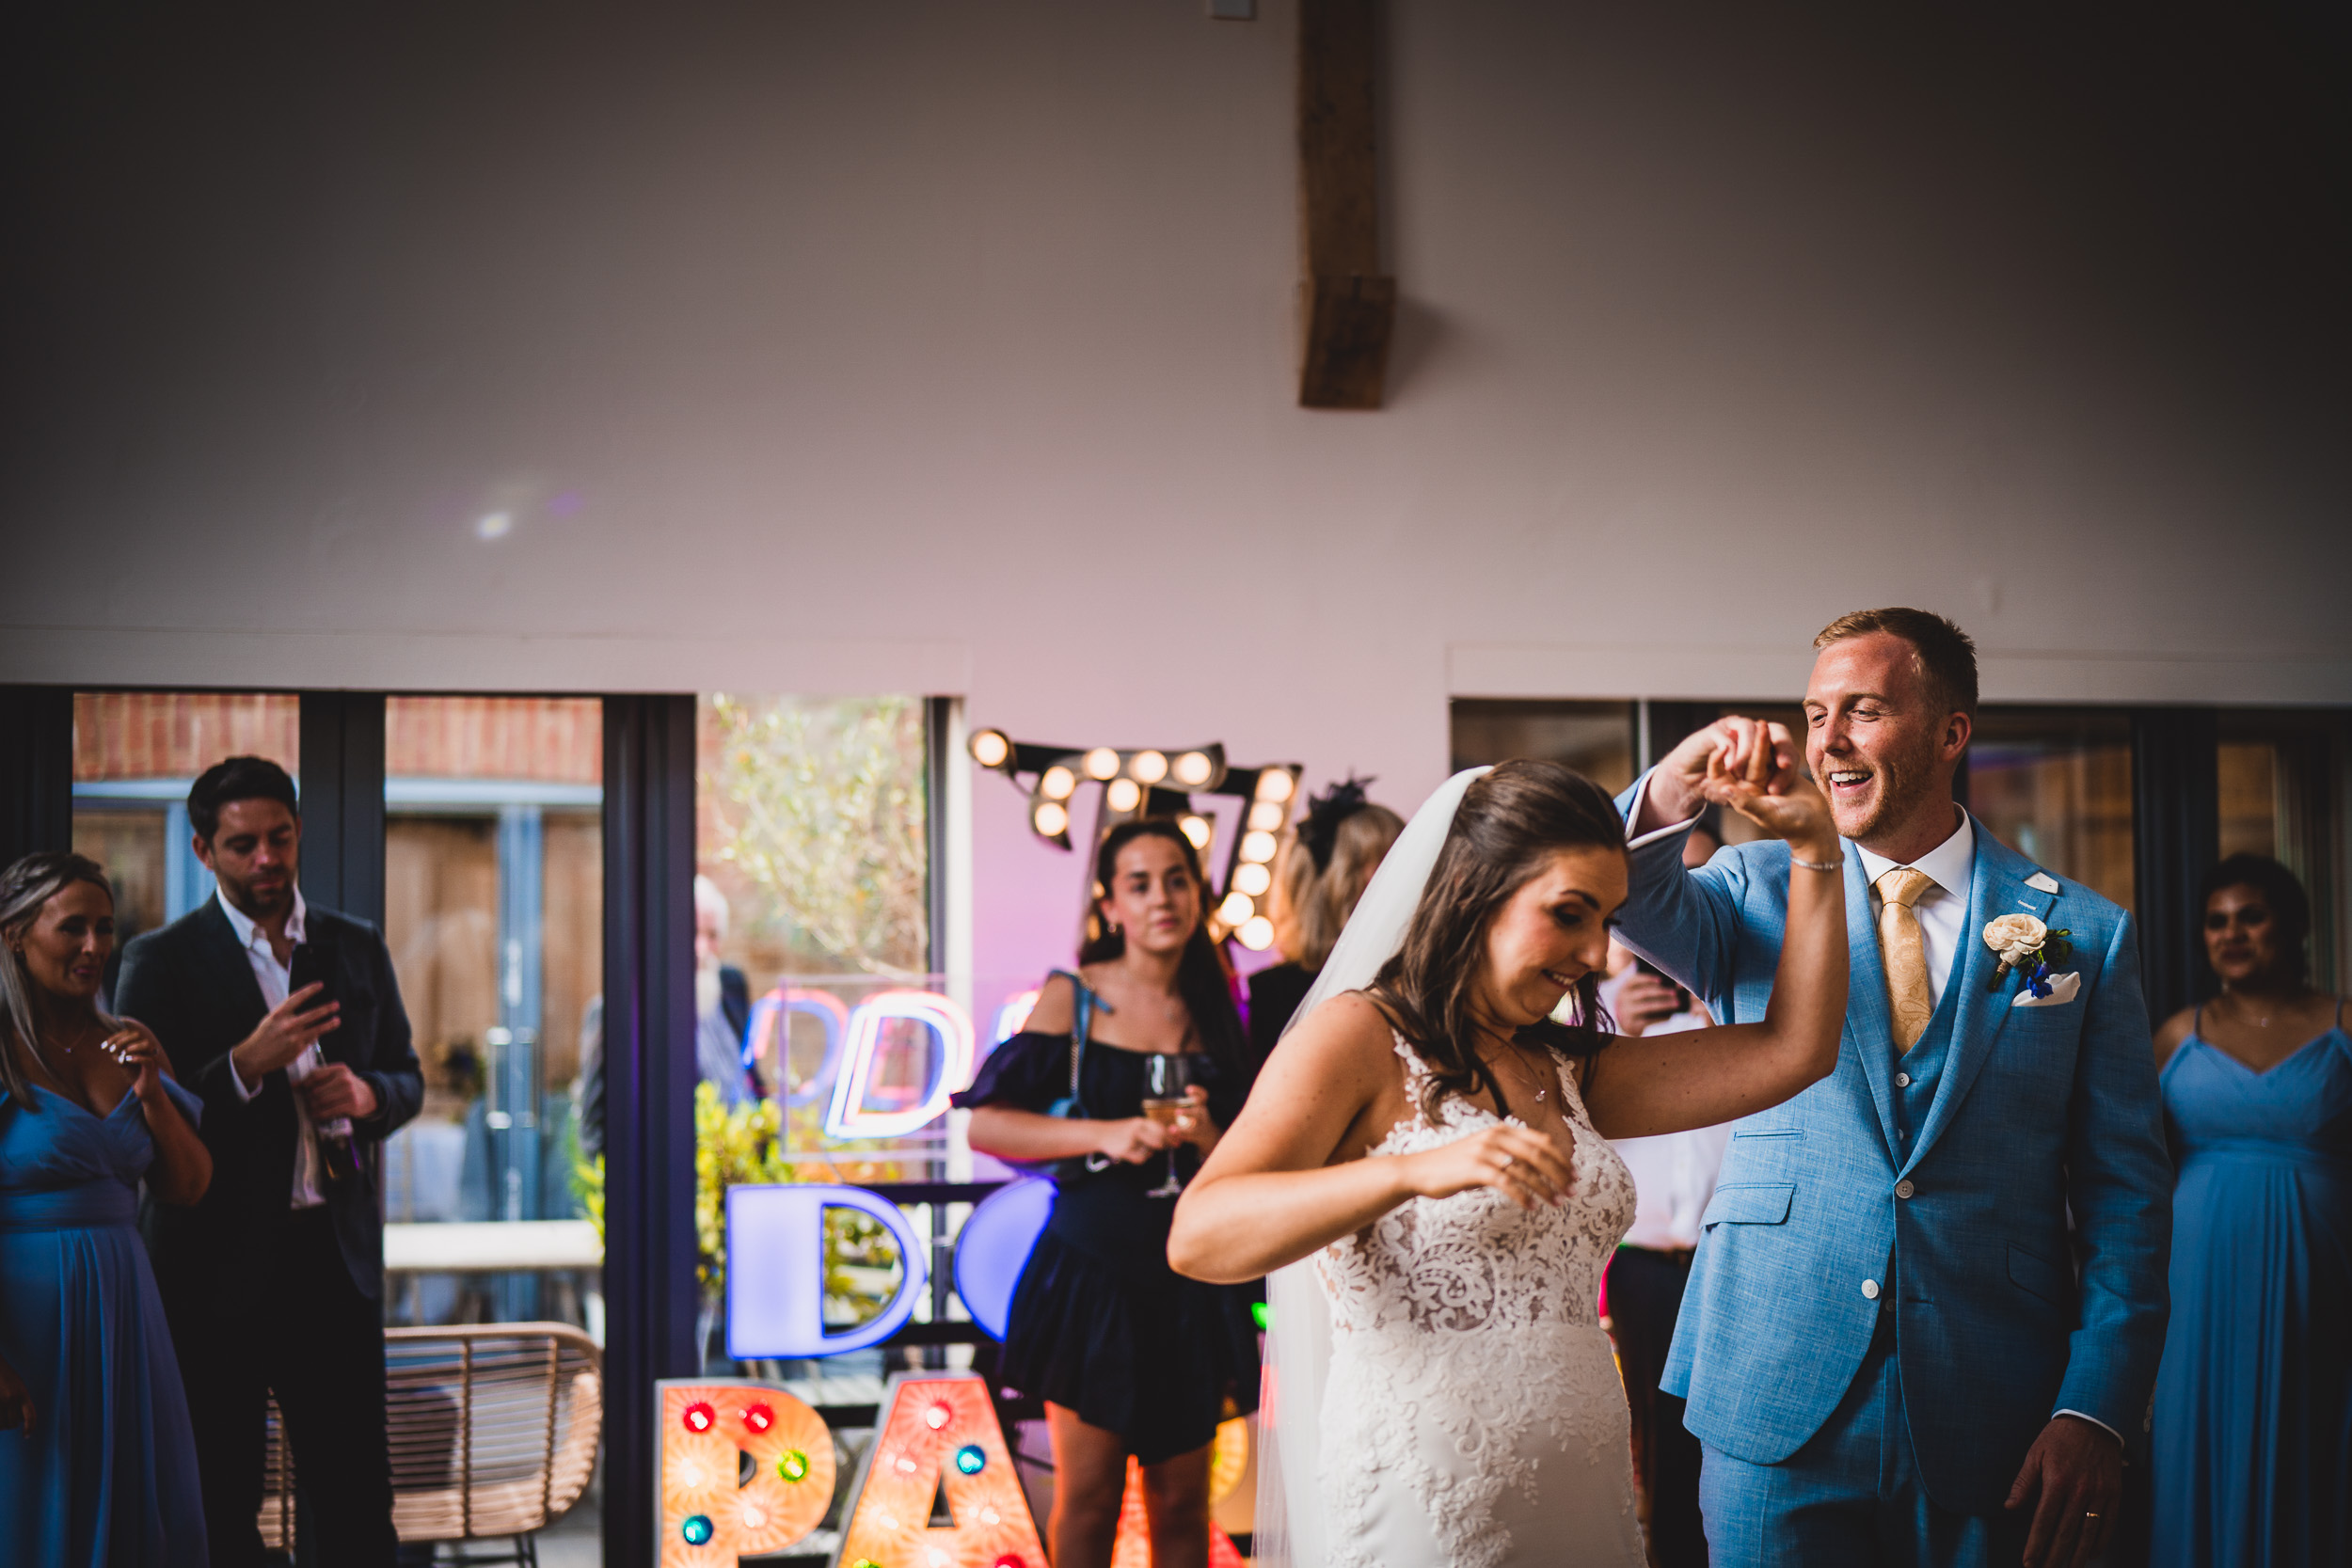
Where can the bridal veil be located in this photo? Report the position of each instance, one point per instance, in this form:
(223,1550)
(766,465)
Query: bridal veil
(1289,1532)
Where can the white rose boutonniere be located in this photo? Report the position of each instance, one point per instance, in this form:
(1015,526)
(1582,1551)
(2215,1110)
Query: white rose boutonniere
(2028,946)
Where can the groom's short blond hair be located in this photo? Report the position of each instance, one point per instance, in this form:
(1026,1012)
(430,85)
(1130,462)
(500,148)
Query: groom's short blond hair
(1945,654)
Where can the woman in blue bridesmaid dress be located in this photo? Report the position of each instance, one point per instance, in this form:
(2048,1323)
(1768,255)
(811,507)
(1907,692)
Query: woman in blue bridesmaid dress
(96,1466)
(2250,1436)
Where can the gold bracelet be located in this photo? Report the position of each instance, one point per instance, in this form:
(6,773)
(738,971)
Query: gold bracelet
(1818,866)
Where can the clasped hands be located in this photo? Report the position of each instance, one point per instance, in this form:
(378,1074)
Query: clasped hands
(1749,767)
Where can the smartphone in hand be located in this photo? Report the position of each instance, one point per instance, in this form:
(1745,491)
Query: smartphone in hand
(309,967)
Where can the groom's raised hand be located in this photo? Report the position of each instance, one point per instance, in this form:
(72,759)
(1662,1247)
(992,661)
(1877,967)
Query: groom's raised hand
(1677,788)
(2073,1479)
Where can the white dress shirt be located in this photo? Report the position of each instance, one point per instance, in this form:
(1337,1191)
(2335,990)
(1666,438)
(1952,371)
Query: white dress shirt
(309,1166)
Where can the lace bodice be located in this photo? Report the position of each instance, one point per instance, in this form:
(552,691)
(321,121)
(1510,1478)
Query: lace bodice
(1477,1260)
(1473,1415)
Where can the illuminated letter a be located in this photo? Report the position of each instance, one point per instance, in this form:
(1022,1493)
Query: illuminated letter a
(938,1441)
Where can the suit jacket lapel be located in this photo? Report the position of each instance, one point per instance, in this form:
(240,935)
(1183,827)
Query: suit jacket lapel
(1870,1025)
(1997,888)
(225,963)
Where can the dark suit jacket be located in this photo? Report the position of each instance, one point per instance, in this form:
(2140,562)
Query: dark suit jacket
(191,982)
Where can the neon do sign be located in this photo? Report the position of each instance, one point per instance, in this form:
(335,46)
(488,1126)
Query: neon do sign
(853,1042)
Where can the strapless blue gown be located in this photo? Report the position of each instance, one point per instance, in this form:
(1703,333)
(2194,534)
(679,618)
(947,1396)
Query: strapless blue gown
(106,1478)
(2251,1440)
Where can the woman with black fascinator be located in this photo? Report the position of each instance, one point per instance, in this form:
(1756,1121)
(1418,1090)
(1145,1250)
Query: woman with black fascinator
(1326,861)
(1123,1080)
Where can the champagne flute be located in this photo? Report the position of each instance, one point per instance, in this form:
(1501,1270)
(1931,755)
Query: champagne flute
(1165,1101)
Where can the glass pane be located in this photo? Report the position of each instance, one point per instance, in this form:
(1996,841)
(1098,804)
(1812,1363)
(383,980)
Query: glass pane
(2283,794)
(826,1044)
(1594,738)
(2056,785)
(493,849)
(814,901)
(135,755)
(2249,801)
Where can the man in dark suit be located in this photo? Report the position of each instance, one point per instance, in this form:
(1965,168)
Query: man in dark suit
(275,1282)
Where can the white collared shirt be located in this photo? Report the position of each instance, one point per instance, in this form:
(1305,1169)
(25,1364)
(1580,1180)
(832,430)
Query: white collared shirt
(1943,908)
(273,978)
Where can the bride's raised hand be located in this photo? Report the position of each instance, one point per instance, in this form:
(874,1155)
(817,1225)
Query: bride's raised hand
(1521,1164)
(1742,782)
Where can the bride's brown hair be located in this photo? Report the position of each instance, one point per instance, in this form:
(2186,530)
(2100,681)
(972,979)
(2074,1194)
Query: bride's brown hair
(1509,819)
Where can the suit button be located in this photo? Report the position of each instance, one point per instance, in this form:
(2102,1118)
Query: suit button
(1902,1189)
(1870,1290)
(1902,1079)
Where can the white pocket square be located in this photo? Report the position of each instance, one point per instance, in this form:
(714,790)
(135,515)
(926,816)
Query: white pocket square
(2063,989)
(2042,881)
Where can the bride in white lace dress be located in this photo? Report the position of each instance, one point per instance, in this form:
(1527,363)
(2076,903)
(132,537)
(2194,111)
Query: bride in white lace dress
(1422,1169)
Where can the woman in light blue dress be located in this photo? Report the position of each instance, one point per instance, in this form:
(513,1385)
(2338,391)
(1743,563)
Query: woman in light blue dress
(2250,1437)
(96,1466)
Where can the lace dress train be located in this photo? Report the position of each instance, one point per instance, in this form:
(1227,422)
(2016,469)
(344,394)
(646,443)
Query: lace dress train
(1472,1414)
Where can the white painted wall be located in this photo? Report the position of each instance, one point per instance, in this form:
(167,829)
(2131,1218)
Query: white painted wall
(948,347)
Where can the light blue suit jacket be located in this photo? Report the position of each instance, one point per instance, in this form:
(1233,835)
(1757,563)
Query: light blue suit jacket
(2038,1109)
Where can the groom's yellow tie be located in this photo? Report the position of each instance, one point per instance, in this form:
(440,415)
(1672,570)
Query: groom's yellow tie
(1905,952)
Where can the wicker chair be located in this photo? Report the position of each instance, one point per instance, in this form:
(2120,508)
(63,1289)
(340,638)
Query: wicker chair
(494,1430)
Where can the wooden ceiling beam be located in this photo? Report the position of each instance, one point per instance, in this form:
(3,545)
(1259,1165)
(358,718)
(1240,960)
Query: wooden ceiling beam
(1349,305)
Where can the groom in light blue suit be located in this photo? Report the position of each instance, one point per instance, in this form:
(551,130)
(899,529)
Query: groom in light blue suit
(1891,1348)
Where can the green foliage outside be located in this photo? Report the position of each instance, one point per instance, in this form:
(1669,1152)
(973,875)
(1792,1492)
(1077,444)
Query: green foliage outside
(820,805)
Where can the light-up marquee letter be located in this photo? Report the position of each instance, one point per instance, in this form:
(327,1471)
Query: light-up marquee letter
(1227,1458)
(848,1117)
(768,1027)
(776,1271)
(710,1513)
(939,1445)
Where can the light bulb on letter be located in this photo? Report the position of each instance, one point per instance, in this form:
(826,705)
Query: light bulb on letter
(1147,766)
(1051,819)
(1274,785)
(1196,829)
(1266,816)
(1193,768)
(1257,846)
(1253,879)
(1122,795)
(1056,782)
(1237,908)
(1257,935)
(990,748)
(1102,763)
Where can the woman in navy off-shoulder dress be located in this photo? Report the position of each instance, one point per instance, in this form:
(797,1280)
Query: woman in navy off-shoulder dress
(1130,1357)
(2250,1436)
(96,1466)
